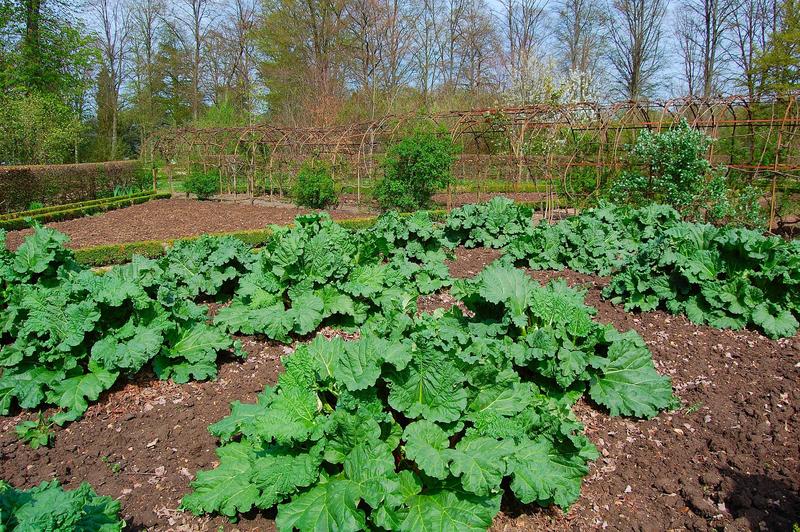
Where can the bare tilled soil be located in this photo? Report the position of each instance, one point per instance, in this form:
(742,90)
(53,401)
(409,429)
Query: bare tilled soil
(727,459)
(172,218)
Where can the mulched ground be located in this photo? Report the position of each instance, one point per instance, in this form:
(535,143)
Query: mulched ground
(728,459)
(173,218)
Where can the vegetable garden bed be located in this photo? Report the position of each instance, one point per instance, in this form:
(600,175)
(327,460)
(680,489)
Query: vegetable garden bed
(734,442)
(427,399)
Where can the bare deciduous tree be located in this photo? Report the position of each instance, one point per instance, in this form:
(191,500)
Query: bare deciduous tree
(701,27)
(581,40)
(524,28)
(146,22)
(637,49)
(191,23)
(751,24)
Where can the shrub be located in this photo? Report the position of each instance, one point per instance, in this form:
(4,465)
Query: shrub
(415,168)
(314,187)
(202,184)
(676,163)
(679,175)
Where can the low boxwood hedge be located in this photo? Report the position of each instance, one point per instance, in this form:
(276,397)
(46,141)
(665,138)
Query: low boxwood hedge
(70,206)
(77,212)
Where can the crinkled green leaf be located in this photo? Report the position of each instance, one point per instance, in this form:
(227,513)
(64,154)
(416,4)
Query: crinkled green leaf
(426,444)
(331,505)
(628,383)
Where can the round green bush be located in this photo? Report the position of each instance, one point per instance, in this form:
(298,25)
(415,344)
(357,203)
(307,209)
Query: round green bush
(414,168)
(315,187)
(202,184)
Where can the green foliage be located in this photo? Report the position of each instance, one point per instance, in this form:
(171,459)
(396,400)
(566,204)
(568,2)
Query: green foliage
(56,214)
(50,507)
(421,428)
(779,63)
(207,266)
(314,186)
(68,334)
(202,184)
(597,241)
(316,272)
(414,168)
(37,129)
(424,419)
(745,208)
(726,277)
(493,224)
(35,433)
(676,164)
(677,174)
(41,209)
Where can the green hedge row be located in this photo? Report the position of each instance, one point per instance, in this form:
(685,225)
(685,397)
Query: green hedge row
(66,183)
(78,212)
(70,206)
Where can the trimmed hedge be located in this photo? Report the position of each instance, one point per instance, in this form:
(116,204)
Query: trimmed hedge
(69,206)
(65,183)
(78,212)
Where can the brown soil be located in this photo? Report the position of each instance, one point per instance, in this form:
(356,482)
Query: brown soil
(728,458)
(172,218)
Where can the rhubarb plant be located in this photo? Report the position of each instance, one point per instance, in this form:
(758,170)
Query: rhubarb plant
(430,425)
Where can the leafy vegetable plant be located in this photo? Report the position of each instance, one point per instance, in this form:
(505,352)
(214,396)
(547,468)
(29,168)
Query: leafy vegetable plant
(492,224)
(429,424)
(35,433)
(316,272)
(597,241)
(726,277)
(67,334)
(50,507)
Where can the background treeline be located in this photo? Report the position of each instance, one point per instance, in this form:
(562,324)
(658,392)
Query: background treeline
(89,80)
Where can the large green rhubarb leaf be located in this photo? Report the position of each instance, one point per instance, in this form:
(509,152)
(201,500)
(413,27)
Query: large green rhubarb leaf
(359,365)
(547,473)
(431,387)
(330,505)
(427,444)
(72,393)
(510,286)
(226,489)
(450,511)
(481,463)
(371,466)
(281,473)
(776,322)
(628,383)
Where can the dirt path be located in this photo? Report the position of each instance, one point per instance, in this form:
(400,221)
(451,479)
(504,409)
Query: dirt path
(727,459)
